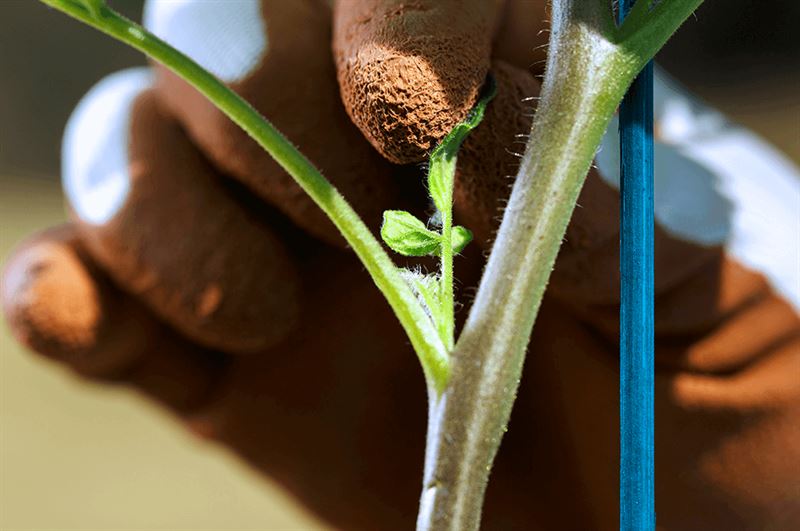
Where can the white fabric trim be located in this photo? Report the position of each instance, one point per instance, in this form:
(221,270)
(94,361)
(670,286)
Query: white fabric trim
(94,152)
(226,37)
(719,184)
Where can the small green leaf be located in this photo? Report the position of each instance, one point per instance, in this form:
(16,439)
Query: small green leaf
(442,167)
(461,237)
(94,6)
(407,235)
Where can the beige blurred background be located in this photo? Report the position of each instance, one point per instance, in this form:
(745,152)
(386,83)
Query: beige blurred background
(74,455)
(80,456)
(83,457)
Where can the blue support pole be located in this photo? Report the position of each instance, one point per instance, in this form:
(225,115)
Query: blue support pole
(636,473)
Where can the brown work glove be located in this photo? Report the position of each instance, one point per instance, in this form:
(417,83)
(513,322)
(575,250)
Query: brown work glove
(196,271)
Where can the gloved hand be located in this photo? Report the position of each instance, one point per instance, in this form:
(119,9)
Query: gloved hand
(195,270)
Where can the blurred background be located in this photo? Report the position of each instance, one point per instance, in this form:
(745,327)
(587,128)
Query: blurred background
(79,456)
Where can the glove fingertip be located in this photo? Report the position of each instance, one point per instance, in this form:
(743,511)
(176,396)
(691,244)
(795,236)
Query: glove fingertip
(60,306)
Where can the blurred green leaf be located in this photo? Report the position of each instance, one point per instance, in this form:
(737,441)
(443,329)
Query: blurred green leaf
(94,6)
(461,237)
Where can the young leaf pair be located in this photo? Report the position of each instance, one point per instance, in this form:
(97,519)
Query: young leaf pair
(409,236)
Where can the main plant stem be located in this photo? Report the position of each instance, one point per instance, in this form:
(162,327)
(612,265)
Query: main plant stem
(587,75)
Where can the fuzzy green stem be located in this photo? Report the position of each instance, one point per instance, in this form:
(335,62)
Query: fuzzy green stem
(447,322)
(422,333)
(643,36)
(441,180)
(589,69)
(639,12)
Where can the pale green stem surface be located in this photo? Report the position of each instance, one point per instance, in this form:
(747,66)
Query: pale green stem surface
(447,322)
(589,69)
(420,330)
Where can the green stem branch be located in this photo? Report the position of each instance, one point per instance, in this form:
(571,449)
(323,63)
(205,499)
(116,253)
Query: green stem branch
(422,333)
(447,322)
(644,35)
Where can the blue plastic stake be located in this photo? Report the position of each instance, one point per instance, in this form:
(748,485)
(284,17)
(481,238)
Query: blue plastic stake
(636,473)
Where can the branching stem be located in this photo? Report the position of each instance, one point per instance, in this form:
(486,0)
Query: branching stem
(447,322)
(590,65)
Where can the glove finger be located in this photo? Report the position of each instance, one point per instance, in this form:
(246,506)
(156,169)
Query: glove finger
(60,305)
(276,54)
(409,73)
(153,213)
